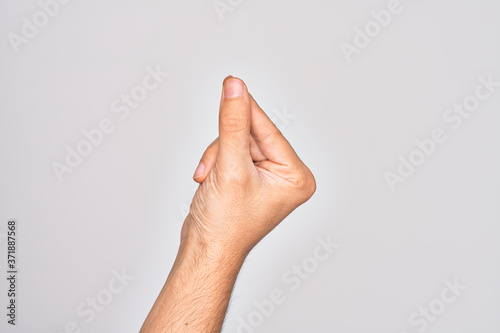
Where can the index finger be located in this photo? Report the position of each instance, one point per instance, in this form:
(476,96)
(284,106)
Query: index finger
(269,138)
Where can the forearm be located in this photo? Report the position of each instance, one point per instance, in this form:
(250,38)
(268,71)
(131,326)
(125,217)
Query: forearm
(197,292)
(250,180)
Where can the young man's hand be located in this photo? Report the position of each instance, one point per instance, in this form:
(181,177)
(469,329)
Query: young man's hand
(250,178)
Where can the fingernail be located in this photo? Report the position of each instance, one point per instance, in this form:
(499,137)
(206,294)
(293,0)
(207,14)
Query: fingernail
(199,170)
(233,88)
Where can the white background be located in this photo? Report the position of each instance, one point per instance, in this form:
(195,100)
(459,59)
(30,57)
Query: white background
(122,207)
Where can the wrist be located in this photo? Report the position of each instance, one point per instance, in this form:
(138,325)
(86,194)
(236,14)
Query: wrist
(197,246)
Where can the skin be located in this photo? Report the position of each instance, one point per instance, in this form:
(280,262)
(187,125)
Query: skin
(250,180)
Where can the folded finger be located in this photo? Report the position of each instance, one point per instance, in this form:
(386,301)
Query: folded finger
(207,162)
(269,138)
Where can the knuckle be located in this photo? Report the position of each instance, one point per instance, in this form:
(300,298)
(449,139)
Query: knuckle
(311,186)
(306,183)
(233,124)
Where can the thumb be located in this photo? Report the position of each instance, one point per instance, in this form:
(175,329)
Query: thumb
(234,123)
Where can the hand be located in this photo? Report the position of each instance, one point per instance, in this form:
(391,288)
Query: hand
(250,178)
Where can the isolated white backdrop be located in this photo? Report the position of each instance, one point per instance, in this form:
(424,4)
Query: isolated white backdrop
(122,207)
